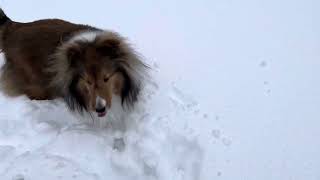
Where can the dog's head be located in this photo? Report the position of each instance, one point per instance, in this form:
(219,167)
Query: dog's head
(93,67)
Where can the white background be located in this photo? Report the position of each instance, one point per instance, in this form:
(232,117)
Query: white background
(236,84)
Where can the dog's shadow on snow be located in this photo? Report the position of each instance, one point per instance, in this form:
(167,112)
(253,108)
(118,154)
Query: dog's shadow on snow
(56,114)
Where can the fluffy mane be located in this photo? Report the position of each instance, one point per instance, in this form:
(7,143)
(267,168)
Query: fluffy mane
(65,76)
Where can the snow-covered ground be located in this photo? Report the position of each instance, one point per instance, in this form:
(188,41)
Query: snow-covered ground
(234,94)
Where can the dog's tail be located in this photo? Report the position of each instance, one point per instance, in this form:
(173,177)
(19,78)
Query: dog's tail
(3,17)
(3,21)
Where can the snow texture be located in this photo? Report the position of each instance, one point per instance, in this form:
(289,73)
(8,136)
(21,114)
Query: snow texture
(234,94)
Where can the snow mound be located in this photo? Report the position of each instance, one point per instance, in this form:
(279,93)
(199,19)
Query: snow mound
(43,139)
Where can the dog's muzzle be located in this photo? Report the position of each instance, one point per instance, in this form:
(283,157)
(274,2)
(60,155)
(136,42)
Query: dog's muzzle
(101,106)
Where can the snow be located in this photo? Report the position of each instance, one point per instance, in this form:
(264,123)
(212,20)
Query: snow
(234,94)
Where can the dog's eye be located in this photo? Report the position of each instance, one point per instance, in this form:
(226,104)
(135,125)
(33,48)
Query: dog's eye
(106,79)
(89,82)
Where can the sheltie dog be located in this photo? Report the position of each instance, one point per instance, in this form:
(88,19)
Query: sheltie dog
(84,65)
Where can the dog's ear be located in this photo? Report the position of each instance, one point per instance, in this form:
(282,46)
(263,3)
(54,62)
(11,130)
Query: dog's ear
(129,89)
(110,48)
(73,54)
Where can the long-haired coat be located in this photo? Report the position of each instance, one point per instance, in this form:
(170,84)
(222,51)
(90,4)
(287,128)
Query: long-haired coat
(84,65)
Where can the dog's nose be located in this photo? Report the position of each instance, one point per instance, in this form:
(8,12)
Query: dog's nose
(100,104)
(100,109)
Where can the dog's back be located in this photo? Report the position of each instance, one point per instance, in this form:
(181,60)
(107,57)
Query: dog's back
(3,20)
(27,48)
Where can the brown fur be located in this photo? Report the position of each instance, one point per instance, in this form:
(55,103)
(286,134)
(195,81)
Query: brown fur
(48,59)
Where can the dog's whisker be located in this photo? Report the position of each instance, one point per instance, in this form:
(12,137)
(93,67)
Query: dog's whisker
(91,116)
